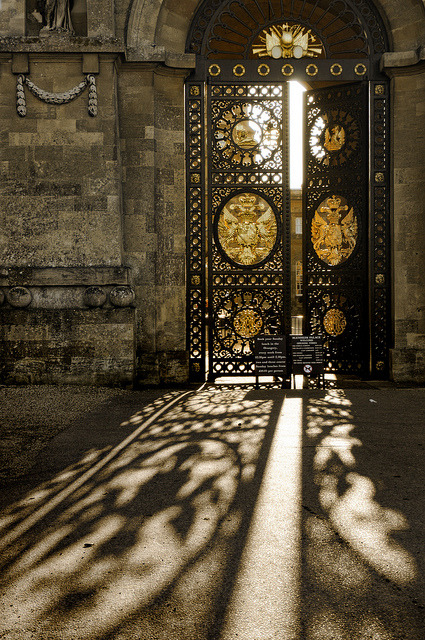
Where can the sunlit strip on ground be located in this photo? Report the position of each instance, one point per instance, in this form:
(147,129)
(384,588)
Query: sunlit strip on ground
(266,598)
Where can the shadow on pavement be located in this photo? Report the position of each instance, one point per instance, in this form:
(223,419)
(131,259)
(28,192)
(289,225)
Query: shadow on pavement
(363,516)
(134,527)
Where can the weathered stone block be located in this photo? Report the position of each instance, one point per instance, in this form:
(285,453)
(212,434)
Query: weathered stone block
(93,346)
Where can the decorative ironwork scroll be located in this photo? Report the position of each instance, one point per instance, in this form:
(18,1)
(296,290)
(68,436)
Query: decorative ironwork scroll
(248,222)
(336,204)
(55,98)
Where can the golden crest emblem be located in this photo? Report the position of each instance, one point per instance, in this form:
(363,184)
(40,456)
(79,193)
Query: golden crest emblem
(247,229)
(287,41)
(334,230)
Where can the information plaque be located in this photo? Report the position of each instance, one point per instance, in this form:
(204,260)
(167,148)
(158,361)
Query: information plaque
(307,355)
(270,355)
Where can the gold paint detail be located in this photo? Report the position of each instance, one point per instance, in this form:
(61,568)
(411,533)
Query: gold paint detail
(196,366)
(247,323)
(334,138)
(334,322)
(214,70)
(379,177)
(332,236)
(195,90)
(336,69)
(238,70)
(380,278)
(247,229)
(360,69)
(380,365)
(287,41)
(195,177)
(196,280)
(247,134)
(287,69)
(379,89)
(312,69)
(263,69)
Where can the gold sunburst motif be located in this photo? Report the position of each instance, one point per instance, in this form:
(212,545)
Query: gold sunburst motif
(247,323)
(334,230)
(287,41)
(247,229)
(334,322)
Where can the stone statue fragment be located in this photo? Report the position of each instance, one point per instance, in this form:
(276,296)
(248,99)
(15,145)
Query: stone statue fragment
(57,15)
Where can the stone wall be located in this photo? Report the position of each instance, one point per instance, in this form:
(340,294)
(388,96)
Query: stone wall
(61,235)
(409,227)
(12,18)
(60,172)
(152,142)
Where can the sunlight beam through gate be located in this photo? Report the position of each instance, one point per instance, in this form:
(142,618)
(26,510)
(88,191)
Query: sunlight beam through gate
(265,601)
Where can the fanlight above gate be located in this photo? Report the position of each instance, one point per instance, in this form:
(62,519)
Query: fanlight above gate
(241,29)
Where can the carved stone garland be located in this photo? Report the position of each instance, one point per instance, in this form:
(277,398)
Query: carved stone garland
(55,98)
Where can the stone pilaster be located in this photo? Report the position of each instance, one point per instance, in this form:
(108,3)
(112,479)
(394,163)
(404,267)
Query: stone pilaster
(409,230)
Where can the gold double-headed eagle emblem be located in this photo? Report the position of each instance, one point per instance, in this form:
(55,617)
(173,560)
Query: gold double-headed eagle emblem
(333,236)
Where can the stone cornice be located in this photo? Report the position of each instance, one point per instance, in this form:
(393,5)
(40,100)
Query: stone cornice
(395,63)
(60,43)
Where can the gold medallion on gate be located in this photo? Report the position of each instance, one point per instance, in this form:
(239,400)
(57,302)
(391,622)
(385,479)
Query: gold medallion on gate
(247,229)
(334,230)
(247,323)
(334,322)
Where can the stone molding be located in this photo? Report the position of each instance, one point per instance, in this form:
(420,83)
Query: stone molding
(59,288)
(57,297)
(71,44)
(401,62)
(63,276)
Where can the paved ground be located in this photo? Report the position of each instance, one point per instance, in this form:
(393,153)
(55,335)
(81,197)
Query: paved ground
(225,513)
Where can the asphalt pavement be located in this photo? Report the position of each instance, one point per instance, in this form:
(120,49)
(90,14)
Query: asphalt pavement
(222,512)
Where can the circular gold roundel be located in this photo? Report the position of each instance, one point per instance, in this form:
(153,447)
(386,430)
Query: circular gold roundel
(247,134)
(247,323)
(334,322)
(247,228)
(334,230)
(334,138)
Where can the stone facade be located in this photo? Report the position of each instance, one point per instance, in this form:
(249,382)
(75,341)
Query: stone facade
(92,234)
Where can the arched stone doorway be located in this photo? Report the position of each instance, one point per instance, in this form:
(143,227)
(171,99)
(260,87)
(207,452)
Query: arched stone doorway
(238,190)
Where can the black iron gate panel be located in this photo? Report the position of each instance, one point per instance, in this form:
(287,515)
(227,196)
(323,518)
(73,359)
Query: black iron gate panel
(380,264)
(248,221)
(195,249)
(336,225)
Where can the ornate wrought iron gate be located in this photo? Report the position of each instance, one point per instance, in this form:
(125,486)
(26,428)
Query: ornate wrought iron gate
(237,181)
(347,260)
(336,224)
(248,221)
(245,218)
